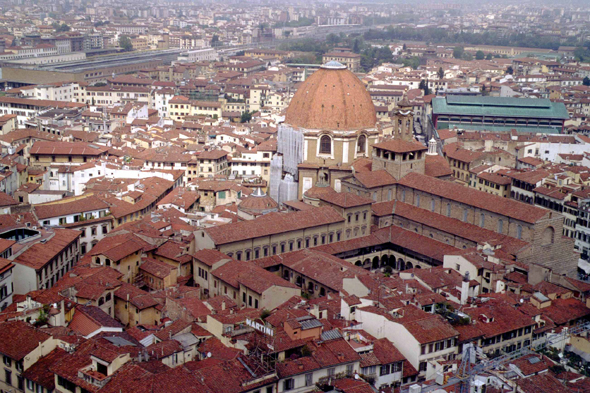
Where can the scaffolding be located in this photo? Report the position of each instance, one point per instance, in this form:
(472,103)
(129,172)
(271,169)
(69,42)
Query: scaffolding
(290,146)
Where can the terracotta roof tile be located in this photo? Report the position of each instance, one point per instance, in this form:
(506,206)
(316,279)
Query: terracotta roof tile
(18,339)
(503,206)
(273,223)
(400,146)
(334,100)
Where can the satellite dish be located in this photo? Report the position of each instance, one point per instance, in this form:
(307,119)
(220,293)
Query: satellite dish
(208,354)
(356,376)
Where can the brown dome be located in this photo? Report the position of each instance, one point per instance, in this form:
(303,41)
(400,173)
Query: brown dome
(258,202)
(332,98)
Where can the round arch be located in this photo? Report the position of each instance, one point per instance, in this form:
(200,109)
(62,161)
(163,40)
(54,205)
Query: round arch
(548,236)
(375,263)
(401,264)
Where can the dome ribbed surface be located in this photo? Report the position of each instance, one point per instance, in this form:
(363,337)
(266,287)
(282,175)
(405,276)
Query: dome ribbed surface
(332,99)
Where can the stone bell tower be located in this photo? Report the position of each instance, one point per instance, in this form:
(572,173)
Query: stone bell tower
(403,121)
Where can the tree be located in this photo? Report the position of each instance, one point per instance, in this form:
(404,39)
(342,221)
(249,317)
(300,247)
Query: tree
(510,70)
(61,28)
(458,52)
(305,351)
(467,56)
(356,46)
(125,43)
(43,316)
(586,81)
(479,55)
(424,87)
(384,54)
(582,54)
(246,117)
(405,47)
(489,56)
(332,39)
(441,73)
(367,61)
(413,62)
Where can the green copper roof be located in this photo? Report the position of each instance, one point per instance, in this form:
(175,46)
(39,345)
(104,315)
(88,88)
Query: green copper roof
(499,107)
(497,128)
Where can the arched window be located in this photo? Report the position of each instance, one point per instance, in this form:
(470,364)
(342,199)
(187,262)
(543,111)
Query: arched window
(325,145)
(548,235)
(361,144)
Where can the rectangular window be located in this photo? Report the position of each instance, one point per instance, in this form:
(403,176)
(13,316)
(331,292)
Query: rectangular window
(288,384)
(308,379)
(500,226)
(349,369)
